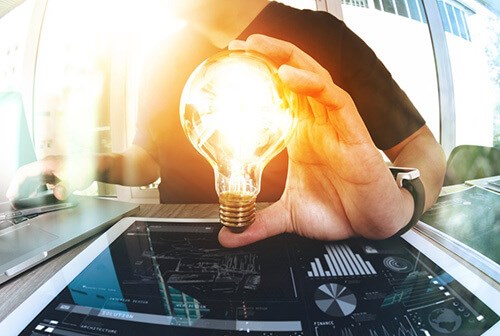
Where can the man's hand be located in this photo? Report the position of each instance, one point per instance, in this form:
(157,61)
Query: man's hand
(62,174)
(338,185)
(65,174)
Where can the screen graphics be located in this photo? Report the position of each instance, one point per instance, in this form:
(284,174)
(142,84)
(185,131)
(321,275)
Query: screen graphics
(175,279)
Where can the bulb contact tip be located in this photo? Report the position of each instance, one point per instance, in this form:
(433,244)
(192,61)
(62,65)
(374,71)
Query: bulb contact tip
(236,211)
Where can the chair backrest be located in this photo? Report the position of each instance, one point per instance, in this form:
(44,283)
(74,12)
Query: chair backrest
(469,162)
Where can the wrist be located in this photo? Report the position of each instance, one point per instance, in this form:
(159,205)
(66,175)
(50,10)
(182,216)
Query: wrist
(103,164)
(408,179)
(408,207)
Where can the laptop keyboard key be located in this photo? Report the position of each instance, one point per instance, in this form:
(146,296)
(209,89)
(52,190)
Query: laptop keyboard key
(18,220)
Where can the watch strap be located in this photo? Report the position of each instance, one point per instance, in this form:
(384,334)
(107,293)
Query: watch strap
(410,180)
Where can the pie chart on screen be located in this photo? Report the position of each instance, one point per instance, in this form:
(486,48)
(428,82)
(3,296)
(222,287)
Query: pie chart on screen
(335,300)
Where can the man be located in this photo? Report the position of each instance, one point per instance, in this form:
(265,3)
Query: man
(332,183)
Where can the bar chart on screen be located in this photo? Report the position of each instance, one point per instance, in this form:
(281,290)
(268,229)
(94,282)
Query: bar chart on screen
(340,261)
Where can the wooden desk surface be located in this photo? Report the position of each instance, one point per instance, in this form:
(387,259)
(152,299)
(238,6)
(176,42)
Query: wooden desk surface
(18,289)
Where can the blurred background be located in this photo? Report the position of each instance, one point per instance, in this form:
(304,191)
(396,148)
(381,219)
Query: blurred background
(76,65)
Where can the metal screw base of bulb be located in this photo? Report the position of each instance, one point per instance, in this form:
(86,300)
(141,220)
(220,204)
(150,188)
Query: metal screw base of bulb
(236,211)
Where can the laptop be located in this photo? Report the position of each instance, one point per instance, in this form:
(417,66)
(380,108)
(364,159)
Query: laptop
(491,183)
(16,150)
(25,241)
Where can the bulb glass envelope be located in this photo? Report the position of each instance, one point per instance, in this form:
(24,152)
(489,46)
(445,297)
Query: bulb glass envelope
(238,115)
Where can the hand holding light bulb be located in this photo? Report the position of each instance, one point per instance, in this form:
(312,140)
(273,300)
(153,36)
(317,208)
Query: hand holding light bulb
(338,185)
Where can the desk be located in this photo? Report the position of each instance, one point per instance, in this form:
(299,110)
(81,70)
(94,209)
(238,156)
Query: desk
(15,291)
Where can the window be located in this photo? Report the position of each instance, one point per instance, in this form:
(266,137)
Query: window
(389,6)
(71,89)
(358,3)
(461,23)
(473,39)
(414,10)
(454,18)
(404,46)
(463,19)
(16,54)
(407,8)
(401,7)
(444,17)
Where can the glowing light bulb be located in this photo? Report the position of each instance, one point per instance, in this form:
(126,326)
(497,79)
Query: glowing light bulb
(238,115)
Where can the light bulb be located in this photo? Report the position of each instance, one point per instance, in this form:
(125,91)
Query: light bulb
(237,113)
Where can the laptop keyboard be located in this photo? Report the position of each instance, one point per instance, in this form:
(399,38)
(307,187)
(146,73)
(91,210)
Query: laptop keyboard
(7,223)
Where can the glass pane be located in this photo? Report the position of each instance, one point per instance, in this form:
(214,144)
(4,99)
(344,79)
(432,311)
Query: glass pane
(464,22)
(414,13)
(453,21)
(82,74)
(461,25)
(422,11)
(71,99)
(401,6)
(476,77)
(404,46)
(389,6)
(16,149)
(13,35)
(444,16)
(71,96)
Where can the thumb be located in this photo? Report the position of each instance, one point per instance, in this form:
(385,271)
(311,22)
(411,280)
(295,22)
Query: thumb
(61,191)
(269,222)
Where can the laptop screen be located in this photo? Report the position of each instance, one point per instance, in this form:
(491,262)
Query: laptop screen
(16,147)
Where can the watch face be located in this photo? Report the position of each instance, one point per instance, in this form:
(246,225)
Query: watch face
(406,173)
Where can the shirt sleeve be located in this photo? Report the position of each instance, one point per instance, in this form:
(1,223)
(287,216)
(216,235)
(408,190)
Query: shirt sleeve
(387,111)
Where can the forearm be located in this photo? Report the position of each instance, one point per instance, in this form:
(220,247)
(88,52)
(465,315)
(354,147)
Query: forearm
(424,153)
(133,167)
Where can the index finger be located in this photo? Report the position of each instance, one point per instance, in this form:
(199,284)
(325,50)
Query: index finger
(282,52)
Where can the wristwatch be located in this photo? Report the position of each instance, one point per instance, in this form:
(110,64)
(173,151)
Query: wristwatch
(409,178)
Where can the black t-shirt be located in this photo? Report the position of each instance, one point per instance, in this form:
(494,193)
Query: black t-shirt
(186,177)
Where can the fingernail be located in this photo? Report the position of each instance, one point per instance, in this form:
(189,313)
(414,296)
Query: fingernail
(60,192)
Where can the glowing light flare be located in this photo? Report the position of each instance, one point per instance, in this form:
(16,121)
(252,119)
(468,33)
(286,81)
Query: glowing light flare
(238,114)
(242,103)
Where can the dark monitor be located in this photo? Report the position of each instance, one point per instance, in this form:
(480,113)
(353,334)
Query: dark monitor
(16,147)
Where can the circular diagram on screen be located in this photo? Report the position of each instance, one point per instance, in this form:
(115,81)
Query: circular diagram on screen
(444,320)
(397,264)
(335,300)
